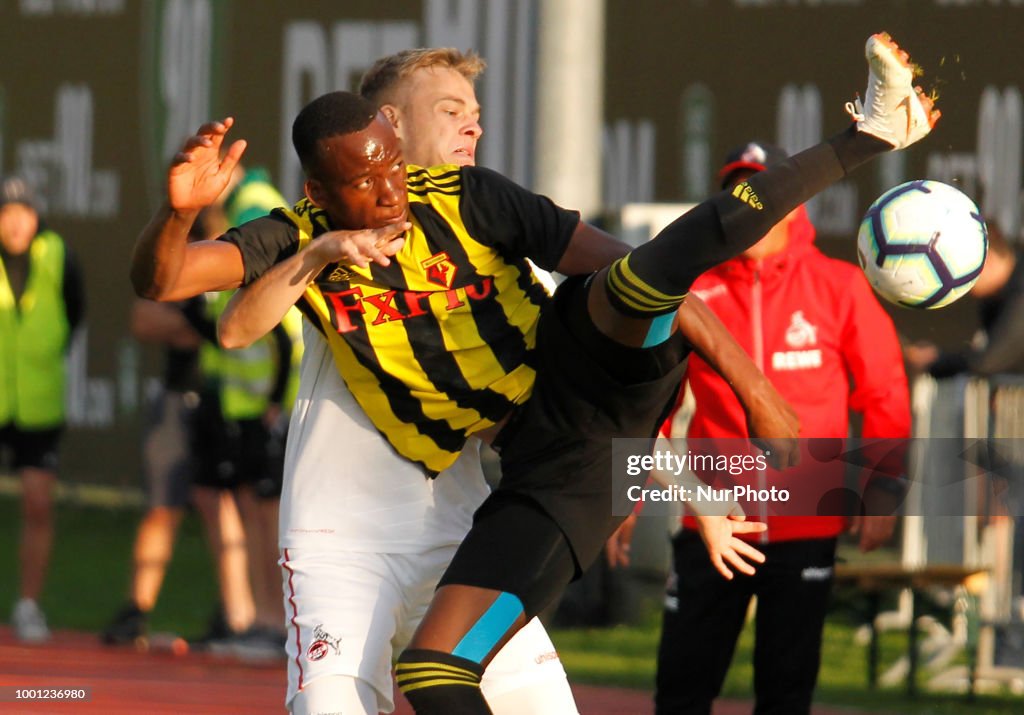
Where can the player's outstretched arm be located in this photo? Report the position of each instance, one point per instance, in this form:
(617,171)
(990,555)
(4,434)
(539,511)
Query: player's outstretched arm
(164,266)
(771,421)
(254,311)
(161,324)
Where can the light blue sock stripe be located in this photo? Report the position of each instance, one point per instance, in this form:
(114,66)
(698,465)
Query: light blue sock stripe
(660,330)
(492,626)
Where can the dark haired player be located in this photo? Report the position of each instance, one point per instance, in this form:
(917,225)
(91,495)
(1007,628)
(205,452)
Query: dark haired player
(369,524)
(602,361)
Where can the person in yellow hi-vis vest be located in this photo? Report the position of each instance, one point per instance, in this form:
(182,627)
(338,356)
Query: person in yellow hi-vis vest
(41,304)
(258,385)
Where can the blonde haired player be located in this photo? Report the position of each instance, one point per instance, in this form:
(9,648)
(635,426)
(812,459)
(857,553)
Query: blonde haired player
(372,499)
(364,536)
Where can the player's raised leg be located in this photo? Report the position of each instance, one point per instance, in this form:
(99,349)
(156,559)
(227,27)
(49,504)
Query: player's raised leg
(634,298)
(466,624)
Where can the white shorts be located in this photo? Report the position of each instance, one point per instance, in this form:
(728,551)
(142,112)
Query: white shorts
(351,613)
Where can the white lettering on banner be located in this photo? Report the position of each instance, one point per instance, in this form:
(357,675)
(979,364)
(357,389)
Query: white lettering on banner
(794,3)
(796,360)
(452,23)
(45,8)
(628,162)
(89,400)
(965,3)
(799,126)
(1000,129)
(316,63)
(698,114)
(798,117)
(305,65)
(184,77)
(60,169)
(891,170)
(496,83)
(835,210)
(993,172)
(128,376)
(317,60)
(957,168)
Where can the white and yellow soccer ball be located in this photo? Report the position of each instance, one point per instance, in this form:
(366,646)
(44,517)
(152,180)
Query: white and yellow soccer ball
(922,244)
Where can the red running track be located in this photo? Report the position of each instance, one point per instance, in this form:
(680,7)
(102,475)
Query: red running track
(122,680)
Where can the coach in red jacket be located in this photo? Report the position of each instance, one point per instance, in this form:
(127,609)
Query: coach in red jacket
(815,329)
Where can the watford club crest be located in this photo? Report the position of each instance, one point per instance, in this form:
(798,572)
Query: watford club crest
(440,270)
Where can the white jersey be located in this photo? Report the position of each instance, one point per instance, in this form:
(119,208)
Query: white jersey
(345,488)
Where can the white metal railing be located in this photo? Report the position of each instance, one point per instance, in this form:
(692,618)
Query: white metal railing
(984,529)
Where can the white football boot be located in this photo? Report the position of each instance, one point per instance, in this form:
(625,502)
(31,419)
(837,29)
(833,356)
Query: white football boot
(894,110)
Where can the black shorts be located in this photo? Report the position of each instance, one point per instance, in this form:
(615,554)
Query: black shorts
(256,456)
(557,447)
(33,449)
(209,444)
(515,547)
(232,453)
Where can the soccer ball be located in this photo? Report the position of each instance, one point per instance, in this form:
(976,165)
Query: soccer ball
(922,244)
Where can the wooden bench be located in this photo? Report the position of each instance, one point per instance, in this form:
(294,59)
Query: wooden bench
(874,579)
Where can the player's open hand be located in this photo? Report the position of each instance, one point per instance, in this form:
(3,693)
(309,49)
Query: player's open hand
(616,549)
(360,248)
(725,548)
(199,173)
(773,426)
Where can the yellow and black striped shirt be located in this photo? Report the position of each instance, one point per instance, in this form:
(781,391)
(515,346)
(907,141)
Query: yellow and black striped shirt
(438,345)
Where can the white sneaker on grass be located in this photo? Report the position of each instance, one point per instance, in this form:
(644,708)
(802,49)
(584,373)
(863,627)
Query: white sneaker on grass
(894,109)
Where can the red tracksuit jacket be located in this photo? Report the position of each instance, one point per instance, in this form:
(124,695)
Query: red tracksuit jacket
(813,326)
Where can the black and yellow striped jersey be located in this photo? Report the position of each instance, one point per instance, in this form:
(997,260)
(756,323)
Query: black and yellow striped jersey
(438,345)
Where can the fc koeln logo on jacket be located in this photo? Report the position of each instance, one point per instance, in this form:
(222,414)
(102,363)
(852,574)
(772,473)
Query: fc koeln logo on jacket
(440,270)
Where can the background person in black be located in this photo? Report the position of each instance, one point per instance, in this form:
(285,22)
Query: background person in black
(167,463)
(41,304)
(183,458)
(1000,294)
(998,349)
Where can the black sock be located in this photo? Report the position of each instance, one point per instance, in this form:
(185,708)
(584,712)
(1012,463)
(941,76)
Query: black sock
(653,279)
(439,683)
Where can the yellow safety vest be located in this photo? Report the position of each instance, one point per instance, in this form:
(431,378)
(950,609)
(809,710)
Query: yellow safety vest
(33,339)
(247,375)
